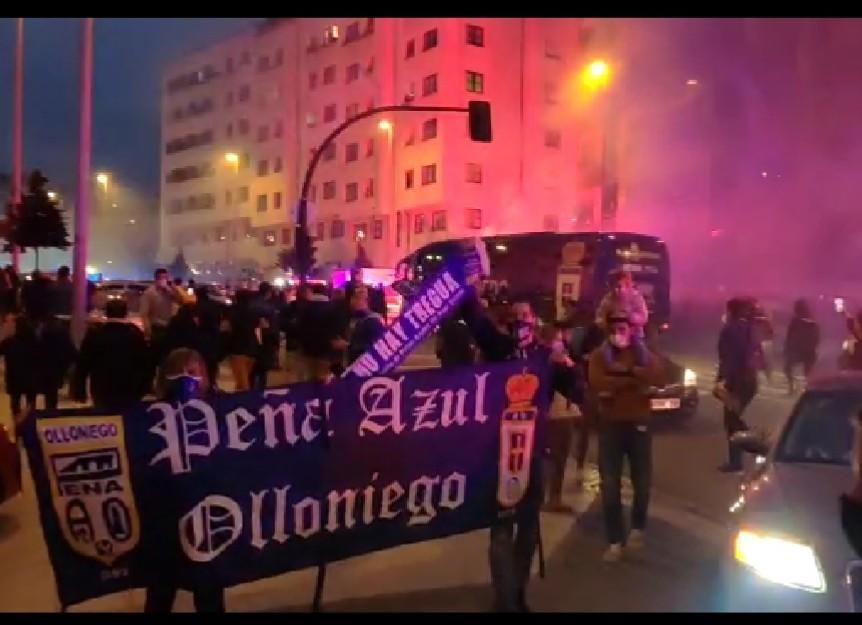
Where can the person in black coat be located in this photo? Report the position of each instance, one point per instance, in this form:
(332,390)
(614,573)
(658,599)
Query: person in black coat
(20,371)
(454,343)
(736,384)
(365,326)
(318,335)
(115,359)
(244,340)
(801,343)
(186,331)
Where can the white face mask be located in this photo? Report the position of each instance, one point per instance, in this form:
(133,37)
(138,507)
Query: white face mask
(620,341)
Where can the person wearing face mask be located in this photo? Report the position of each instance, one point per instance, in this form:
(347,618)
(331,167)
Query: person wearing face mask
(625,298)
(182,377)
(622,388)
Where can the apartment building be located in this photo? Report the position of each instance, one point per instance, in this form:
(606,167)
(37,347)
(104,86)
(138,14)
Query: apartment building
(241,121)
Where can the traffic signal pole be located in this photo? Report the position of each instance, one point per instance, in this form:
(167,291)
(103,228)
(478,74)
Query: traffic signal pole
(480,130)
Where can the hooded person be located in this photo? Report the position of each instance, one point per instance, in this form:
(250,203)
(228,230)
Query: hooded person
(801,342)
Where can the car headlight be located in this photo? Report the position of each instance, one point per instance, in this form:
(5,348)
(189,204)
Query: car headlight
(780,560)
(689,378)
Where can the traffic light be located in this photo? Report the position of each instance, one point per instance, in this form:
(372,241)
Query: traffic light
(305,249)
(479,120)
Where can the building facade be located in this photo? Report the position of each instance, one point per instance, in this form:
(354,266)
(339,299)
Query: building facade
(241,121)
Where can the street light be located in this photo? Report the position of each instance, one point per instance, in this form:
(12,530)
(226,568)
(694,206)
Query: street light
(596,74)
(384,125)
(52,195)
(102,178)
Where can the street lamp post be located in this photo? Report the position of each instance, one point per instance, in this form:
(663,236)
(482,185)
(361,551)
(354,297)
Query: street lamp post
(596,78)
(18,126)
(232,159)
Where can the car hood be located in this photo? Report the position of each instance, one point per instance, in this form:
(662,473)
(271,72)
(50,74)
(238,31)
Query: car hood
(801,501)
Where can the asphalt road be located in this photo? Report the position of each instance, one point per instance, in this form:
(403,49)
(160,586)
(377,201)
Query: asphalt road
(674,572)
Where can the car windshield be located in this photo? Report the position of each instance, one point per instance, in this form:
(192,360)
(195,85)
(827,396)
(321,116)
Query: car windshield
(821,430)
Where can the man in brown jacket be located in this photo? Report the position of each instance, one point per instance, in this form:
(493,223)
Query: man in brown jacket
(621,386)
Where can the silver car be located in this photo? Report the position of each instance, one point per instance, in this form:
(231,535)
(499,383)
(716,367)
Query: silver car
(786,550)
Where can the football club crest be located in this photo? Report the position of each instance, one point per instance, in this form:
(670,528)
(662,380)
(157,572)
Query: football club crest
(517,427)
(86,464)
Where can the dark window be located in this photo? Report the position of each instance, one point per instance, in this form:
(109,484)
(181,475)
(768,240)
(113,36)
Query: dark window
(242,126)
(408,179)
(438,221)
(321,231)
(429,174)
(312,80)
(418,223)
(261,203)
(263,167)
(191,203)
(243,195)
(369,69)
(337,230)
(329,113)
(276,200)
(474,172)
(369,188)
(429,129)
(410,50)
(262,63)
(352,73)
(263,133)
(286,236)
(175,207)
(352,110)
(552,138)
(474,218)
(475,35)
(277,130)
(370,104)
(312,192)
(276,165)
(329,152)
(429,40)
(429,85)
(351,33)
(475,82)
(377,229)
(351,192)
(351,152)
(329,75)
(228,198)
(329,190)
(278,59)
(228,131)
(245,58)
(244,93)
(369,148)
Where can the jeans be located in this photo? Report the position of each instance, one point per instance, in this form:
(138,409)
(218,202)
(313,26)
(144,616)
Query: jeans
(733,421)
(618,441)
(513,544)
(160,599)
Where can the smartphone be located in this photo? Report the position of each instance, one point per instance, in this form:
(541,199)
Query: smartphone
(839,304)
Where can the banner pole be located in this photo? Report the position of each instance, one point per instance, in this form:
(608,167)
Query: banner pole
(318,587)
(541,546)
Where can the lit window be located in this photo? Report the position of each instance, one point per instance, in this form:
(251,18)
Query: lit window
(418,223)
(475,36)
(312,81)
(429,129)
(351,192)
(429,174)
(329,75)
(475,82)
(337,230)
(377,229)
(310,120)
(474,172)
(410,50)
(438,221)
(276,164)
(261,203)
(329,113)
(262,167)
(429,85)
(268,238)
(429,40)
(552,138)
(330,35)
(352,73)
(329,190)
(408,179)
(351,152)
(369,188)
(276,200)
(360,231)
(474,218)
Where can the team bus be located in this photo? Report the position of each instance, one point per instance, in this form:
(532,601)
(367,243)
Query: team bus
(549,268)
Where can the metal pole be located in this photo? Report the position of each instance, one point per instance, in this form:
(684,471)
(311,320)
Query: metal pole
(18,125)
(82,211)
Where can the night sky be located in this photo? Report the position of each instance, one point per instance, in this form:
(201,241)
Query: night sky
(129,56)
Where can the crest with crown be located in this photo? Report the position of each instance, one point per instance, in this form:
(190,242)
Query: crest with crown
(521,389)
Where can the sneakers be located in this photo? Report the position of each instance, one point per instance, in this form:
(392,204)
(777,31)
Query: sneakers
(613,554)
(636,539)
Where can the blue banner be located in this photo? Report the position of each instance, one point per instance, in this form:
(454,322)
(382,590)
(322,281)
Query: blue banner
(435,299)
(250,485)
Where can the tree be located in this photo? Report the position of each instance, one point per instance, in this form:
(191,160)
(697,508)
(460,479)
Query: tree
(38,221)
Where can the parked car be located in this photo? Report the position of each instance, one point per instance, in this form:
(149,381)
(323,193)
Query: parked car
(786,550)
(677,400)
(10,466)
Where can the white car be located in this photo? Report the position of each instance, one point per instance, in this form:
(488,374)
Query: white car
(786,550)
